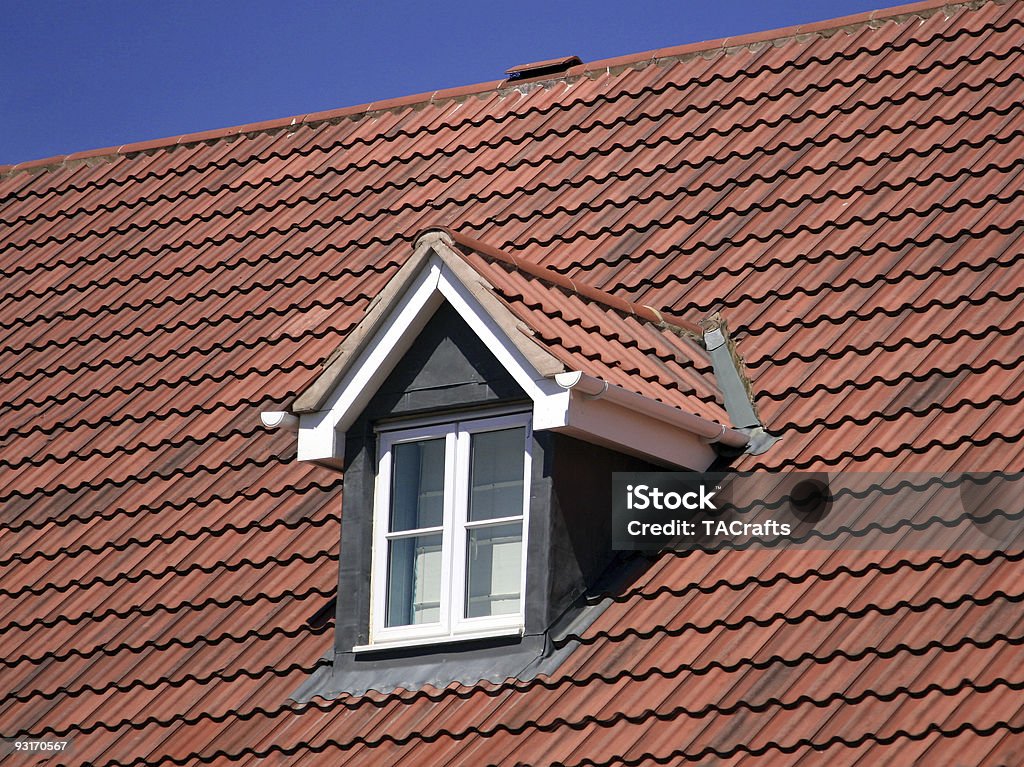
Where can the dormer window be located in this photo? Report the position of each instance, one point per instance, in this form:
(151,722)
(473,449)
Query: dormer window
(449,525)
(478,412)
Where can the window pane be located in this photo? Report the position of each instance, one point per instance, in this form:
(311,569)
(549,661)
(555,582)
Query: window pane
(494,559)
(496,474)
(417,485)
(414,580)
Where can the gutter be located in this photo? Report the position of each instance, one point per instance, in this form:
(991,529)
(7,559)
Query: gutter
(594,388)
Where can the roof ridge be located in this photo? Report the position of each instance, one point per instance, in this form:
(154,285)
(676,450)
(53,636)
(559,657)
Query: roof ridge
(643,312)
(801,32)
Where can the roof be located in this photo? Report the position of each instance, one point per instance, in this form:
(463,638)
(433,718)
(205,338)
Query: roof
(846,194)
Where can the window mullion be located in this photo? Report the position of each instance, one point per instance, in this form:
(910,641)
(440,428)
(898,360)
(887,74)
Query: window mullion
(450,523)
(459,538)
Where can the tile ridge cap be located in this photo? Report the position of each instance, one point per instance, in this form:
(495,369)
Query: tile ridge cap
(642,312)
(257,127)
(924,7)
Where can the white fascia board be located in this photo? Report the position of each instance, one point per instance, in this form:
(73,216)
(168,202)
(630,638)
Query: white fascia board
(485,303)
(321,433)
(620,422)
(595,388)
(608,423)
(378,313)
(552,411)
(632,423)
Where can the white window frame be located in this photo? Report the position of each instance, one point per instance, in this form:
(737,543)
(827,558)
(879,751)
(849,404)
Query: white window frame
(452,624)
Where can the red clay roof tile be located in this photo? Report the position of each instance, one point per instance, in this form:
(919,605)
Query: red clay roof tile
(848,199)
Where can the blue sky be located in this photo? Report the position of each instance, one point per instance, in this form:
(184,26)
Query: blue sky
(84,74)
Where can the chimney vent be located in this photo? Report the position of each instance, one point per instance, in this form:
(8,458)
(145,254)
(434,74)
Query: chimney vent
(538,69)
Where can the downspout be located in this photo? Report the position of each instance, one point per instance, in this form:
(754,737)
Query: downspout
(735,388)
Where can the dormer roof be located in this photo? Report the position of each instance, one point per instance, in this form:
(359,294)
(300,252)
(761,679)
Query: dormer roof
(551,332)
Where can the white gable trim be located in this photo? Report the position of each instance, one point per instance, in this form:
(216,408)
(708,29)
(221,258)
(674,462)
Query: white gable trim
(321,432)
(564,401)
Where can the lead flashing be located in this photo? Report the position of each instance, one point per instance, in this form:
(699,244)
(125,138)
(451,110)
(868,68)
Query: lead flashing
(734,384)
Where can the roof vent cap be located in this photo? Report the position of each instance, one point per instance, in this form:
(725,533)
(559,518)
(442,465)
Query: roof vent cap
(547,68)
